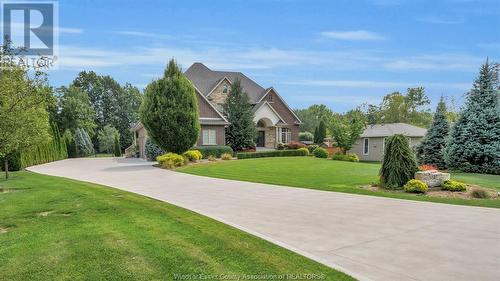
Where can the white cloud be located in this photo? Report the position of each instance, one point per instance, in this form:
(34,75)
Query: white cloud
(70,30)
(350,100)
(144,34)
(244,58)
(453,62)
(366,84)
(237,58)
(355,35)
(439,20)
(18,27)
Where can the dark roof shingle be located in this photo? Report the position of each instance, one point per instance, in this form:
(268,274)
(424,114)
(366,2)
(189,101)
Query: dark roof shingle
(206,79)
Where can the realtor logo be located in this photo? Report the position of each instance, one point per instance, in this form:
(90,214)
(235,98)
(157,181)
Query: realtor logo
(30,27)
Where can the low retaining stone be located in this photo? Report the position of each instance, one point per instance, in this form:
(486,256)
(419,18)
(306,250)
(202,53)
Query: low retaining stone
(432,178)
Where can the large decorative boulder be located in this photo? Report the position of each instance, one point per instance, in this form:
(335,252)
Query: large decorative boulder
(432,178)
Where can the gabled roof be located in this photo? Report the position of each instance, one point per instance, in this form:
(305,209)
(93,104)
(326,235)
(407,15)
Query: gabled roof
(278,119)
(386,130)
(271,89)
(205,80)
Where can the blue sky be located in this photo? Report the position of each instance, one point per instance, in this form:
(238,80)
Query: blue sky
(340,53)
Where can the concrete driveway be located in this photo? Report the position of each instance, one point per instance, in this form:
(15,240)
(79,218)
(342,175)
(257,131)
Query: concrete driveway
(370,238)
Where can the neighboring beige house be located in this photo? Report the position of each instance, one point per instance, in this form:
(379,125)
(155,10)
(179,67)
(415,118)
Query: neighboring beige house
(275,120)
(371,144)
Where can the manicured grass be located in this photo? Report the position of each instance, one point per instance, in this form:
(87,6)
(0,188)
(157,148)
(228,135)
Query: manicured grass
(101,155)
(326,174)
(54,229)
(491,181)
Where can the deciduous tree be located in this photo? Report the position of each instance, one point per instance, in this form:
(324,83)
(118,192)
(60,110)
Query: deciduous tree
(347,128)
(24,120)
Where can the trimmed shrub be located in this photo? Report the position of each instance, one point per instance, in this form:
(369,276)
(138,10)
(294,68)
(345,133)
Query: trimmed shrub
(171,160)
(340,156)
(399,165)
(226,156)
(352,157)
(274,153)
(193,155)
(416,186)
(295,145)
(216,150)
(211,158)
(480,193)
(306,136)
(312,147)
(320,153)
(280,146)
(152,150)
(453,185)
(305,150)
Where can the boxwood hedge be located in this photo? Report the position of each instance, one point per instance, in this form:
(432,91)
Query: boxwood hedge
(273,153)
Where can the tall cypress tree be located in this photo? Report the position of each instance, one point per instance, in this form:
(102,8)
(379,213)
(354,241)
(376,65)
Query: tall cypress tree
(116,148)
(240,133)
(321,134)
(474,143)
(434,142)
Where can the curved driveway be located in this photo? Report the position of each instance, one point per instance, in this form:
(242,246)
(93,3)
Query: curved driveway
(370,238)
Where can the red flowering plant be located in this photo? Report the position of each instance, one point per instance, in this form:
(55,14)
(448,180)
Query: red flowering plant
(427,167)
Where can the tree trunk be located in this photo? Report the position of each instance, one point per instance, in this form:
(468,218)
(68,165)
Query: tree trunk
(6,166)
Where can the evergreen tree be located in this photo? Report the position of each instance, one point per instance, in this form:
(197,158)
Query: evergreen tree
(70,144)
(434,142)
(83,143)
(240,133)
(169,111)
(117,149)
(474,143)
(316,134)
(321,132)
(399,164)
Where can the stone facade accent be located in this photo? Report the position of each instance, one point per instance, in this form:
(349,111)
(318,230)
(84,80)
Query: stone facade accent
(270,137)
(432,178)
(218,97)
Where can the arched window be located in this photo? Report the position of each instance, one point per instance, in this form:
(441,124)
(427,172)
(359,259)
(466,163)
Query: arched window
(261,124)
(224,91)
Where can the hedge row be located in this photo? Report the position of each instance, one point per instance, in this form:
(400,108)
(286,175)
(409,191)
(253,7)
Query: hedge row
(216,150)
(54,150)
(274,153)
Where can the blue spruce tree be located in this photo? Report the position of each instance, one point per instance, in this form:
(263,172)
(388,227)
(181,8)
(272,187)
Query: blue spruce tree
(474,143)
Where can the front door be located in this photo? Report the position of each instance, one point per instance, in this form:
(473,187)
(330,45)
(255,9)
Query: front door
(261,138)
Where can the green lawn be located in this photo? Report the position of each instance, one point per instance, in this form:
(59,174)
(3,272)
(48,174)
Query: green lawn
(54,229)
(326,174)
